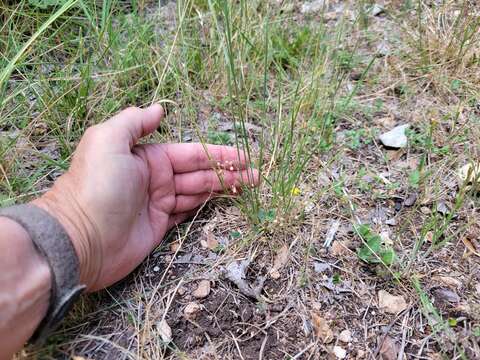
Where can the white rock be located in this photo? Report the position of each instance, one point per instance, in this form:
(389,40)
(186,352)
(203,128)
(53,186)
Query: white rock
(165,331)
(396,137)
(314,6)
(345,336)
(469,174)
(156,269)
(339,352)
(376,9)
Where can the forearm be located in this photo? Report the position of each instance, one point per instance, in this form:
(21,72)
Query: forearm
(25,283)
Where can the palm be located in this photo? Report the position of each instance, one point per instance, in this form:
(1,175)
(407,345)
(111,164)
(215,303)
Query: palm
(163,184)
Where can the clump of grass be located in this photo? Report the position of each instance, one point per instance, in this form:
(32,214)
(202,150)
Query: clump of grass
(442,45)
(287,82)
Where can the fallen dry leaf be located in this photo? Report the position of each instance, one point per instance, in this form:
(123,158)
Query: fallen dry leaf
(174,246)
(429,236)
(322,329)
(448,280)
(470,246)
(425,210)
(446,295)
(209,241)
(280,260)
(165,331)
(388,121)
(339,248)
(389,349)
(391,303)
(395,155)
(202,290)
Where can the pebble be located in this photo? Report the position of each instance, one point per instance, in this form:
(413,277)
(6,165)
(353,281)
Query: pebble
(191,310)
(202,290)
(181,291)
(345,336)
(410,200)
(339,352)
(425,210)
(156,269)
(391,222)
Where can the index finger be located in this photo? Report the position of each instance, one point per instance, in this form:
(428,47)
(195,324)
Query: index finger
(196,156)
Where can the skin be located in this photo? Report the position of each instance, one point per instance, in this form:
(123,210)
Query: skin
(116,202)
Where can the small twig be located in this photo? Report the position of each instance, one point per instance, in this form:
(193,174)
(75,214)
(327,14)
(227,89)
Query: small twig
(262,348)
(236,345)
(297,356)
(404,337)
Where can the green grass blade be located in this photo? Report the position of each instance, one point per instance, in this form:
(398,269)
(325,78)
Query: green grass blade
(5,74)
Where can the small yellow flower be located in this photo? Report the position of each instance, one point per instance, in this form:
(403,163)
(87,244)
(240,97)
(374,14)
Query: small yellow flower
(296,191)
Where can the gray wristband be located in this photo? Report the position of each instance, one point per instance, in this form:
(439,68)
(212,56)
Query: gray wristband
(53,243)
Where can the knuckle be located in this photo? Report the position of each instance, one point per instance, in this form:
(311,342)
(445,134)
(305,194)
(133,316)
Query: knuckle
(91,132)
(94,135)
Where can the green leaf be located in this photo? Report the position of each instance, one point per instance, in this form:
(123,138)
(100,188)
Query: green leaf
(268,215)
(388,256)
(373,251)
(336,279)
(414,178)
(452,322)
(7,70)
(476,331)
(456,84)
(236,234)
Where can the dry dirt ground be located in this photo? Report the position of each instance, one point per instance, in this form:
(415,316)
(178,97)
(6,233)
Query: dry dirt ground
(304,293)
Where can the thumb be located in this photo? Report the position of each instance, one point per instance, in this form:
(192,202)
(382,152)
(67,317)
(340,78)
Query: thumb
(134,123)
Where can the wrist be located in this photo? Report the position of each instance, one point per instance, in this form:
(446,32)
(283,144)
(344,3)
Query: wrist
(81,231)
(27,284)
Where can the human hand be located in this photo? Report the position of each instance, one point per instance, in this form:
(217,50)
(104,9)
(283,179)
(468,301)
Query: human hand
(118,199)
